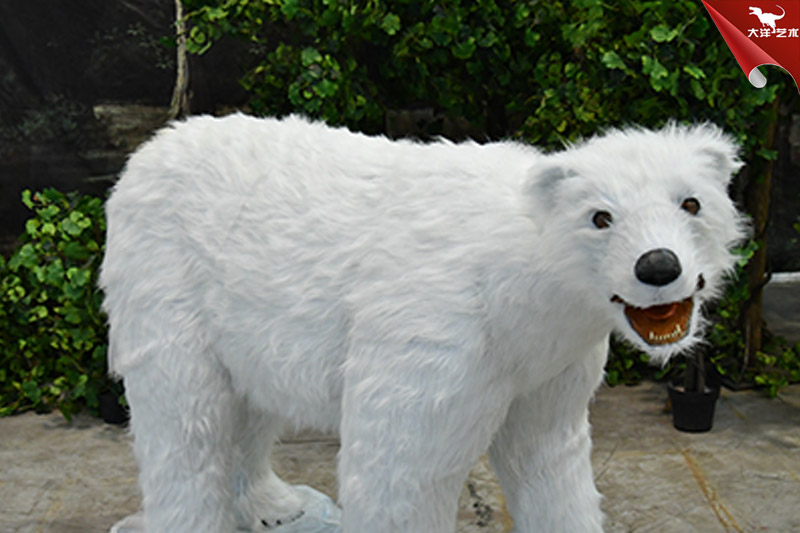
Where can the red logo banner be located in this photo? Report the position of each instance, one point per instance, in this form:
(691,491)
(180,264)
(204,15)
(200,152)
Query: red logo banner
(760,33)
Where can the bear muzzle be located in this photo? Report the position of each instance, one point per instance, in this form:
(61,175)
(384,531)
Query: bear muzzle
(663,323)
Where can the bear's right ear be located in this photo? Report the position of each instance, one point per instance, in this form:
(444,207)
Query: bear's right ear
(724,157)
(542,183)
(720,150)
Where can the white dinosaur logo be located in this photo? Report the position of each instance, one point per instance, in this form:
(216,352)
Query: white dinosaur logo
(767,19)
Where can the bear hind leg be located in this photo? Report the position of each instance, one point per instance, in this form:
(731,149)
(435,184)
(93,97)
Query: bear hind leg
(182,407)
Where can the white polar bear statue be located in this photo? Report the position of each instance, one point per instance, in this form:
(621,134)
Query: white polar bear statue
(427,301)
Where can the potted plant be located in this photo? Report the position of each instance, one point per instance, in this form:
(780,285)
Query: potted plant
(112,405)
(694,395)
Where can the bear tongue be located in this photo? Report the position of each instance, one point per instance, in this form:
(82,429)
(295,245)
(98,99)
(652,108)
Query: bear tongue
(661,312)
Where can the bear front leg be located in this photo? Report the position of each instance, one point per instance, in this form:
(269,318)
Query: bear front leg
(410,434)
(541,456)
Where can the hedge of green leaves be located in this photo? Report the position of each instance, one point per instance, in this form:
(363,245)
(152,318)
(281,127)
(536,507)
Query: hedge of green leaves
(52,333)
(544,71)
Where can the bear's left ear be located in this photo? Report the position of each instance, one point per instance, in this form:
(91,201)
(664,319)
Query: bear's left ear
(543,180)
(720,150)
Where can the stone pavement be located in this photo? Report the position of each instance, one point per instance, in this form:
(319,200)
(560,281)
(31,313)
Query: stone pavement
(743,476)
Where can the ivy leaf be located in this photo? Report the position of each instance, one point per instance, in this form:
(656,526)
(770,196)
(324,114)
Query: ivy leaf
(26,257)
(612,60)
(489,40)
(216,13)
(69,227)
(38,313)
(73,315)
(290,8)
(659,75)
(310,56)
(531,37)
(663,33)
(32,391)
(32,227)
(26,199)
(80,219)
(79,277)
(769,155)
(49,212)
(325,88)
(465,49)
(75,251)
(697,89)
(694,71)
(390,24)
(54,273)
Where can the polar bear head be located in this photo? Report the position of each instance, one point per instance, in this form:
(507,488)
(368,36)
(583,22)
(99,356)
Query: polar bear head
(640,222)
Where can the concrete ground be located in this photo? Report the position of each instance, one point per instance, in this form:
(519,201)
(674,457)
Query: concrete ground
(743,476)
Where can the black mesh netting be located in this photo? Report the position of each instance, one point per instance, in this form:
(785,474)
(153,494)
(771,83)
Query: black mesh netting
(81,82)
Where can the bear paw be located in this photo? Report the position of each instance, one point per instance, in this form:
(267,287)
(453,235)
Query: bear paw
(319,515)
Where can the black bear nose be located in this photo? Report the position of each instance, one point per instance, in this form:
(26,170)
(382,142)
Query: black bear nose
(658,267)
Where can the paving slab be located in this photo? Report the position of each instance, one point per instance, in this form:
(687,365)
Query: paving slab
(743,476)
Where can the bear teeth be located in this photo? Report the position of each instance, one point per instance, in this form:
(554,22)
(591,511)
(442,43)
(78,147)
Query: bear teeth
(676,333)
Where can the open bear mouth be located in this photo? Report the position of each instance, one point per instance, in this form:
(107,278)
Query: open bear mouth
(661,324)
(664,323)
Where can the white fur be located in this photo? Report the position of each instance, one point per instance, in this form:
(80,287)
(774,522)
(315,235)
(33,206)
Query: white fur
(429,301)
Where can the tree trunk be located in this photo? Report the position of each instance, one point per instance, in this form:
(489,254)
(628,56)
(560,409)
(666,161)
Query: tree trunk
(756,203)
(179,106)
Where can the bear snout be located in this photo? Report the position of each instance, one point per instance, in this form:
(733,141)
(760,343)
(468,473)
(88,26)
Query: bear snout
(658,267)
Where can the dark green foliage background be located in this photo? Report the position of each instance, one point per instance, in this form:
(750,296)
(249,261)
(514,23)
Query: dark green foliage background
(53,336)
(544,71)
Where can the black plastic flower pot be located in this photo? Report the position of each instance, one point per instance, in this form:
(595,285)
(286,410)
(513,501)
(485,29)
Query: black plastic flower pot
(692,411)
(111,411)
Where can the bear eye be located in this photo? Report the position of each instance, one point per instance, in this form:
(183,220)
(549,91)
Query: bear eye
(691,205)
(602,219)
